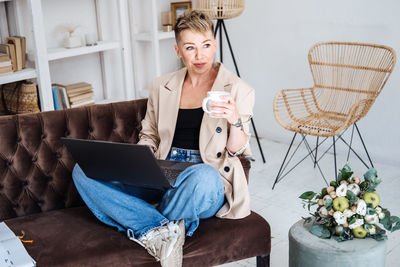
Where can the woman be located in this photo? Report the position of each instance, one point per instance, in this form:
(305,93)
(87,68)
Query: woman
(175,128)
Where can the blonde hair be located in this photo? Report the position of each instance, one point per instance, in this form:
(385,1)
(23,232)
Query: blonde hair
(194,20)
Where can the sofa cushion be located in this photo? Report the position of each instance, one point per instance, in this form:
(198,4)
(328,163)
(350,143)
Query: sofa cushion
(74,237)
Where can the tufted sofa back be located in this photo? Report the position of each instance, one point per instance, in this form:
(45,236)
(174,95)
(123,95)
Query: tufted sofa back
(35,167)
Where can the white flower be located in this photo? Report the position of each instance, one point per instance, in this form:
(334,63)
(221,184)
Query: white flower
(341,190)
(338,229)
(348,213)
(381,215)
(371,219)
(356,224)
(361,207)
(323,212)
(372,230)
(354,188)
(378,210)
(339,217)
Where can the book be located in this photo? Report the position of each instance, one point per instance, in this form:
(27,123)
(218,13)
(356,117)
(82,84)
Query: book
(6,70)
(18,50)
(57,99)
(9,49)
(5,63)
(80,92)
(4,57)
(81,97)
(12,251)
(62,95)
(78,87)
(23,49)
(86,103)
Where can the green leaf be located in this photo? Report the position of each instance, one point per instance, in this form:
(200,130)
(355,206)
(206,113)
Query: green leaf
(328,203)
(321,231)
(370,209)
(394,219)
(351,197)
(372,176)
(345,173)
(353,219)
(396,227)
(307,195)
(306,219)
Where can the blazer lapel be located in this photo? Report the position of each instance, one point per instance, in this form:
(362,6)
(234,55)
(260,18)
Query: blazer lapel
(169,98)
(208,124)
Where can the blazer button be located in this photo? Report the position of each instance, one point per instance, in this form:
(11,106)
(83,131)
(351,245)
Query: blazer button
(226,169)
(218,130)
(219,154)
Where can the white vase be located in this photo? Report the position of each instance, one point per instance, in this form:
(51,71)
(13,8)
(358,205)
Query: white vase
(73,41)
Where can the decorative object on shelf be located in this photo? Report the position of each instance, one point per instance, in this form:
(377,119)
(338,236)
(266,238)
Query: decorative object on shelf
(177,10)
(19,97)
(166,21)
(90,39)
(73,39)
(220,10)
(349,208)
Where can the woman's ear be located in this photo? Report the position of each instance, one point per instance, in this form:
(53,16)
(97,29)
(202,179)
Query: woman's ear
(178,53)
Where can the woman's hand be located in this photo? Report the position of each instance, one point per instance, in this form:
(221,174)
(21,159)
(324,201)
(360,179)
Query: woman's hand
(227,110)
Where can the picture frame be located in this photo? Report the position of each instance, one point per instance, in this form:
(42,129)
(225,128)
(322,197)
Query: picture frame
(177,10)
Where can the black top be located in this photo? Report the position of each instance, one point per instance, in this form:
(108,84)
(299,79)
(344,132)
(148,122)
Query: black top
(187,130)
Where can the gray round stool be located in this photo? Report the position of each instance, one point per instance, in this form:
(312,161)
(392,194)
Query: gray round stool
(308,250)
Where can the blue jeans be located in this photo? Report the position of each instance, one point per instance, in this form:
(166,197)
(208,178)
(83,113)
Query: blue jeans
(197,193)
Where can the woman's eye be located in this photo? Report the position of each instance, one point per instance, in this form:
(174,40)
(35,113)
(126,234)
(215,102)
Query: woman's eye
(207,45)
(189,48)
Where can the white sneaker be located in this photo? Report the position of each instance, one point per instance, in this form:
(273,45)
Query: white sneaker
(161,241)
(176,257)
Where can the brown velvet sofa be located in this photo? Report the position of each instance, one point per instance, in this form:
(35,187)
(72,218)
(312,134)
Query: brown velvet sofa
(38,196)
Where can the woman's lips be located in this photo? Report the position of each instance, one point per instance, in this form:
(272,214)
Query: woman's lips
(199,65)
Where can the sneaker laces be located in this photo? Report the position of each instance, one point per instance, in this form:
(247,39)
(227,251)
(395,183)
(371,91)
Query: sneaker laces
(161,241)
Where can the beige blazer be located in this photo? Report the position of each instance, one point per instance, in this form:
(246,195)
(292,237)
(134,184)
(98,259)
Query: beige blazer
(158,128)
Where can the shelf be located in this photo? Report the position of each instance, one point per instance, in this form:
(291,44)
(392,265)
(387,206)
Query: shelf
(109,100)
(146,36)
(59,53)
(20,75)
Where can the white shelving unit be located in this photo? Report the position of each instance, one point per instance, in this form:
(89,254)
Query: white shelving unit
(43,56)
(27,73)
(153,37)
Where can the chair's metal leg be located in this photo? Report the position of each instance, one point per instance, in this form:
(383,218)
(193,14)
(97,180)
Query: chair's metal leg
(351,142)
(334,157)
(284,160)
(316,152)
(315,159)
(355,153)
(362,141)
(263,261)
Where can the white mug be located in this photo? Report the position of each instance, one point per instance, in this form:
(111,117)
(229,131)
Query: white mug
(216,97)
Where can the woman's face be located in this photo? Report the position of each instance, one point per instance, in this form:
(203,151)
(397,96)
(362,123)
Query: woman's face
(197,50)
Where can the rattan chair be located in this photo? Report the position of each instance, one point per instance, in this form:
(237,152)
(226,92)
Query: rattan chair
(348,77)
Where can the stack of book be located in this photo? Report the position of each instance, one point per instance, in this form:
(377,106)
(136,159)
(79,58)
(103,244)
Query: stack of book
(15,50)
(73,95)
(5,64)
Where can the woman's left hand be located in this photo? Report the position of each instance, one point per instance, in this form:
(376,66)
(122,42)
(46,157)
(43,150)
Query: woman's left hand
(229,111)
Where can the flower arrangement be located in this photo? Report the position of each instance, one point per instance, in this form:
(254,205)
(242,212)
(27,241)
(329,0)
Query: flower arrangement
(349,208)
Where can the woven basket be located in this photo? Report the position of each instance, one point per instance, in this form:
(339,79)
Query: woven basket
(20,98)
(221,9)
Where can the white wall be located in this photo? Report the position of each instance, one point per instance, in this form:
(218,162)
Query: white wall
(271,40)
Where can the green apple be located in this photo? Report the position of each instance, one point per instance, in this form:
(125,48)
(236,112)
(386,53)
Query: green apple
(372,198)
(340,204)
(359,232)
